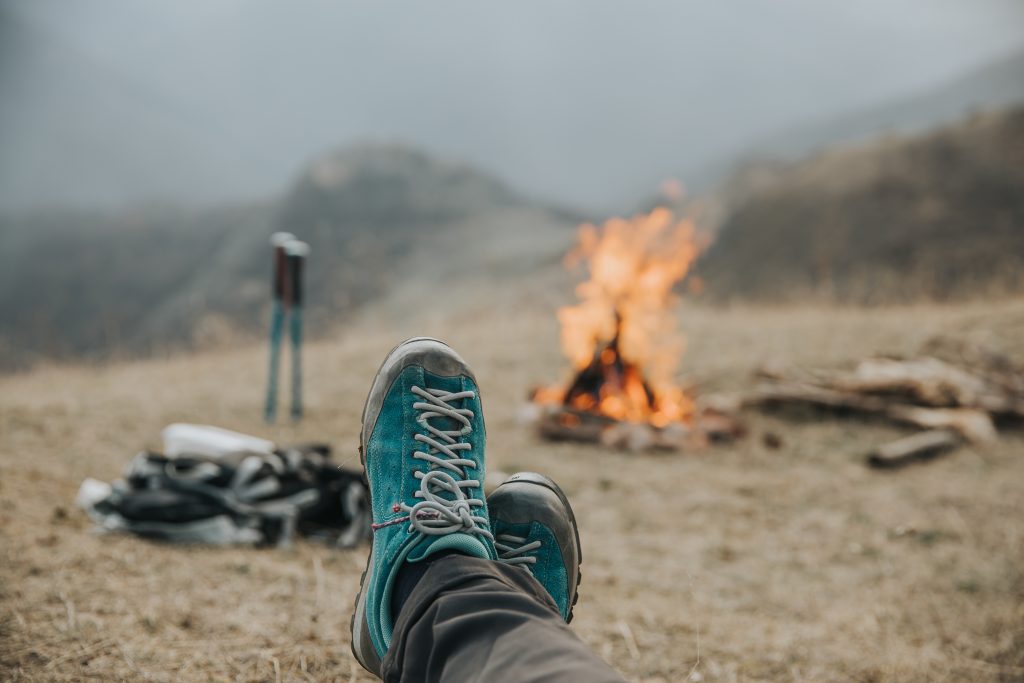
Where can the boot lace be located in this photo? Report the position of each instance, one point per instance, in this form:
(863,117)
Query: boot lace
(513,550)
(444,507)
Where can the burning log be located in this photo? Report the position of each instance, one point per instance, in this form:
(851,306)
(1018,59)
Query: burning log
(636,437)
(918,447)
(610,374)
(578,426)
(572,425)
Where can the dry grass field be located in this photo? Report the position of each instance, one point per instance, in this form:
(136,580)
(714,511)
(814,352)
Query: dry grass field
(738,563)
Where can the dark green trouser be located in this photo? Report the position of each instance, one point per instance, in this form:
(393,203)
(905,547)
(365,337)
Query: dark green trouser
(469,619)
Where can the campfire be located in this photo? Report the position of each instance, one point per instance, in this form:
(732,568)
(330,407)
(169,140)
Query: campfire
(624,345)
(622,338)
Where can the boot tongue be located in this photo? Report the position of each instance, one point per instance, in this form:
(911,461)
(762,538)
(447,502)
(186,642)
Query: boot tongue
(447,424)
(467,544)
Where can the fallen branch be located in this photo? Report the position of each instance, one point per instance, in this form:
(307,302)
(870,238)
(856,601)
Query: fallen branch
(778,395)
(916,448)
(972,425)
(923,381)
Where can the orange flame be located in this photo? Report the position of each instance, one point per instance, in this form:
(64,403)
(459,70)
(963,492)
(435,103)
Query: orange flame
(621,337)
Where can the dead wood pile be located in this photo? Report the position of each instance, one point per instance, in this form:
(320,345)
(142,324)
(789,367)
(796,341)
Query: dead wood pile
(953,394)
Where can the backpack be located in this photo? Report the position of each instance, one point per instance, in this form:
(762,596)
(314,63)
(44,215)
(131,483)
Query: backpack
(246,497)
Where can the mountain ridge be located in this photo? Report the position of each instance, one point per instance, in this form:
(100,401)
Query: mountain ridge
(901,218)
(89,284)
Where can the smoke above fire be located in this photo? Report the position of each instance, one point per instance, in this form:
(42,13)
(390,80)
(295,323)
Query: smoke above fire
(622,337)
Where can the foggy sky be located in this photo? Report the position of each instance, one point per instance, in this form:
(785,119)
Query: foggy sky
(584,102)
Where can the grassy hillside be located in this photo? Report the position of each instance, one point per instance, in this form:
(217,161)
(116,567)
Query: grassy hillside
(933,217)
(739,563)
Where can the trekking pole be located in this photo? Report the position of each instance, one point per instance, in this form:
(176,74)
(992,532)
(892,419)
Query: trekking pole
(277,310)
(297,252)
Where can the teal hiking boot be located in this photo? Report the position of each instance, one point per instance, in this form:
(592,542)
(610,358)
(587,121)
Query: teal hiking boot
(534,527)
(422,447)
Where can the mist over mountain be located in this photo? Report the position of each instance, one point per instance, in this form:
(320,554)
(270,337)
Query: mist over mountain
(396,232)
(365,210)
(96,284)
(993,86)
(586,103)
(931,216)
(146,154)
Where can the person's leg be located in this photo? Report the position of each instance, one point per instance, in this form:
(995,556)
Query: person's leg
(469,619)
(435,602)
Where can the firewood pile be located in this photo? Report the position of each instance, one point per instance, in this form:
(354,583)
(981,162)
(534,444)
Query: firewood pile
(952,394)
(562,423)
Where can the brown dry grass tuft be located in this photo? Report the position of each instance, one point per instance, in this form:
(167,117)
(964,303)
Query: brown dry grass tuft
(740,563)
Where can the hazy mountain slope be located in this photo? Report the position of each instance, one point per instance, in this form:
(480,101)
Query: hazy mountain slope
(74,284)
(377,218)
(936,216)
(994,86)
(364,210)
(119,101)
